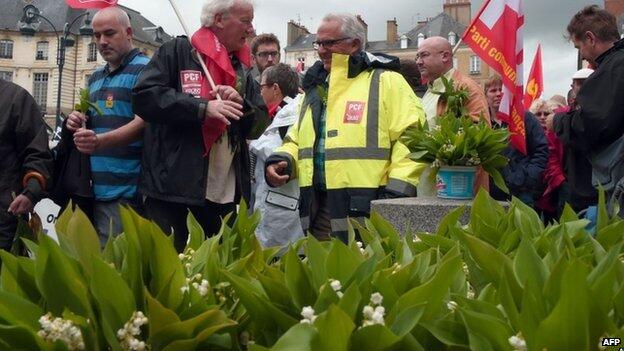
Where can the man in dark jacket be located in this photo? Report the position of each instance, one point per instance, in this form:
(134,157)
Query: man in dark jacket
(523,173)
(25,160)
(597,125)
(195,153)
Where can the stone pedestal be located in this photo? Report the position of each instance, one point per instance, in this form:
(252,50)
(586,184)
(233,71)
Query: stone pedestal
(418,214)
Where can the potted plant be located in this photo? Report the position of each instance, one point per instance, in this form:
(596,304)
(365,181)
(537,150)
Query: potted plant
(456,146)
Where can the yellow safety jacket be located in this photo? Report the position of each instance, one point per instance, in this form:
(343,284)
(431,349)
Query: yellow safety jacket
(366,115)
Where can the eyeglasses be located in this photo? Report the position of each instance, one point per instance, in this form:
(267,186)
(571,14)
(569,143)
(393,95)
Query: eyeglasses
(327,43)
(265,54)
(542,113)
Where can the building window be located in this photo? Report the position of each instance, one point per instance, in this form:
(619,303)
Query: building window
(452,38)
(475,64)
(6,75)
(6,48)
(92,52)
(40,89)
(42,51)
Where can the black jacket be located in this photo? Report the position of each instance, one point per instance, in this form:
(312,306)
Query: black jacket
(523,173)
(599,120)
(23,148)
(173,167)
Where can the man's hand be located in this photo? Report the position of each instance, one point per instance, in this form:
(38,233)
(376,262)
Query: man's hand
(550,121)
(21,205)
(228,93)
(224,110)
(86,141)
(75,121)
(275,174)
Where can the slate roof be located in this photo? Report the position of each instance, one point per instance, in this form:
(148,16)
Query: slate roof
(440,25)
(302,43)
(59,13)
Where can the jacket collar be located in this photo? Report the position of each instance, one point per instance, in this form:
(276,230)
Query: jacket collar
(618,45)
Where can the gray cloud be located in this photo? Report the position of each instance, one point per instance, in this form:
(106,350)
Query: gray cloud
(545,23)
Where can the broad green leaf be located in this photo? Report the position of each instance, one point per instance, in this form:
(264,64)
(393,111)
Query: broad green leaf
(206,323)
(298,338)
(167,271)
(450,332)
(334,329)
(407,320)
(19,271)
(16,310)
(374,337)
(490,260)
(567,326)
(528,265)
(350,301)
(59,281)
(21,338)
(486,327)
(298,280)
(196,232)
(341,262)
(159,316)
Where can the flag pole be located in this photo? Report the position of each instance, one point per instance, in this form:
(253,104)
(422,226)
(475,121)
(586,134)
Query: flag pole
(199,58)
(457,45)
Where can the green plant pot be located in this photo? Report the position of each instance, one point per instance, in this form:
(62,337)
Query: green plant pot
(456,182)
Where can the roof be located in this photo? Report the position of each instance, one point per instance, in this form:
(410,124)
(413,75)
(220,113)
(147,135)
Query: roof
(440,25)
(302,43)
(59,13)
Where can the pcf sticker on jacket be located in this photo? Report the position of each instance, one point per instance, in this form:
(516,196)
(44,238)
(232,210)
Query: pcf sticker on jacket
(354,112)
(191,82)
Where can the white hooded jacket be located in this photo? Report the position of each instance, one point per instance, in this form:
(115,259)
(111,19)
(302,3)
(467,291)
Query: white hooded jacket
(279,207)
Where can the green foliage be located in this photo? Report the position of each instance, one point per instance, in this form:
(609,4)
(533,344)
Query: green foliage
(456,140)
(501,281)
(85,103)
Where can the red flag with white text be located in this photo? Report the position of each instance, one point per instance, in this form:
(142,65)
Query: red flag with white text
(90,4)
(495,35)
(535,83)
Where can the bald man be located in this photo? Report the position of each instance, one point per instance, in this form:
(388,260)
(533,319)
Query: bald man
(113,138)
(435,59)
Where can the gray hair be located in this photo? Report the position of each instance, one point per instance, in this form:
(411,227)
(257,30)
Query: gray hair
(285,77)
(213,7)
(350,26)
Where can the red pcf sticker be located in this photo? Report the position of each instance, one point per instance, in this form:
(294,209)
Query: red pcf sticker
(191,82)
(354,112)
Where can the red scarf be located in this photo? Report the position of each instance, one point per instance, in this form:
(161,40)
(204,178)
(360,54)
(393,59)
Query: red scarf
(220,68)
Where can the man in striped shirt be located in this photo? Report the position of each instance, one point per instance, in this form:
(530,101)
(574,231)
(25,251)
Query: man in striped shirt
(113,139)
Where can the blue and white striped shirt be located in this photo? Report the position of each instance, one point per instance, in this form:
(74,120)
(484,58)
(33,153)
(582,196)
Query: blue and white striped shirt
(115,170)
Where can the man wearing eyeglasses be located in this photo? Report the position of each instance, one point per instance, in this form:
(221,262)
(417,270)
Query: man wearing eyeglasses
(435,60)
(265,50)
(345,150)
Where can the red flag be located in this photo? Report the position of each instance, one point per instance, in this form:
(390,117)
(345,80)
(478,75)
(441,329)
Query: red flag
(90,4)
(495,35)
(535,84)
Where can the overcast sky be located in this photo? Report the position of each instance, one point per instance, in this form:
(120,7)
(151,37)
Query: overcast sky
(545,23)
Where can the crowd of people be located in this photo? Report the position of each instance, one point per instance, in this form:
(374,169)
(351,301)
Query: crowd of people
(209,121)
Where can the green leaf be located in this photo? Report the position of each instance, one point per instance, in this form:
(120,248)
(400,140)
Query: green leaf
(374,337)
(167,272)
(298,280)
(449,332)
(298,338)
(16,310)
(528,265)
(59,280)
(79,239)
(407,320)
(113,296)
(484,327)
(334,329)
(567,328)
(20,338)
(341,261)
(196,232)
(159,315)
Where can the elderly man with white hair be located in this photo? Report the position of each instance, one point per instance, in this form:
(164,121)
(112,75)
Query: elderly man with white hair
(195,155)
(345,149)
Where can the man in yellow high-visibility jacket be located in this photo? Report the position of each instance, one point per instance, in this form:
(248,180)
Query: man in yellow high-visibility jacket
(345,148)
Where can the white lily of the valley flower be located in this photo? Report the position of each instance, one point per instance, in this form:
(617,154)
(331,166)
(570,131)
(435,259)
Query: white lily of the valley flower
(335,284)
(376,299)
(63,330)
(368,311)
(451,305)
(517,342)
(308,315)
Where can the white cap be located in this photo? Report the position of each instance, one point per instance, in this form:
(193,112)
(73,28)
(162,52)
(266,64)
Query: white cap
(583,73)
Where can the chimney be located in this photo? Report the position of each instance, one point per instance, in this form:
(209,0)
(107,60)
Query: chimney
(365,26)
(459,10)
(391,31)
(294,31)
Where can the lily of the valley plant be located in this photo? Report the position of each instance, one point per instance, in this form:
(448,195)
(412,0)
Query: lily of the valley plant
(456,140)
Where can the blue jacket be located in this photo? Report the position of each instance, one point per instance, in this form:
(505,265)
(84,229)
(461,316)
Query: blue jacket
(523,173)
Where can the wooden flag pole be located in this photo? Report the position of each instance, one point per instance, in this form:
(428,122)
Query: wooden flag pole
(199,58)
(457,46)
